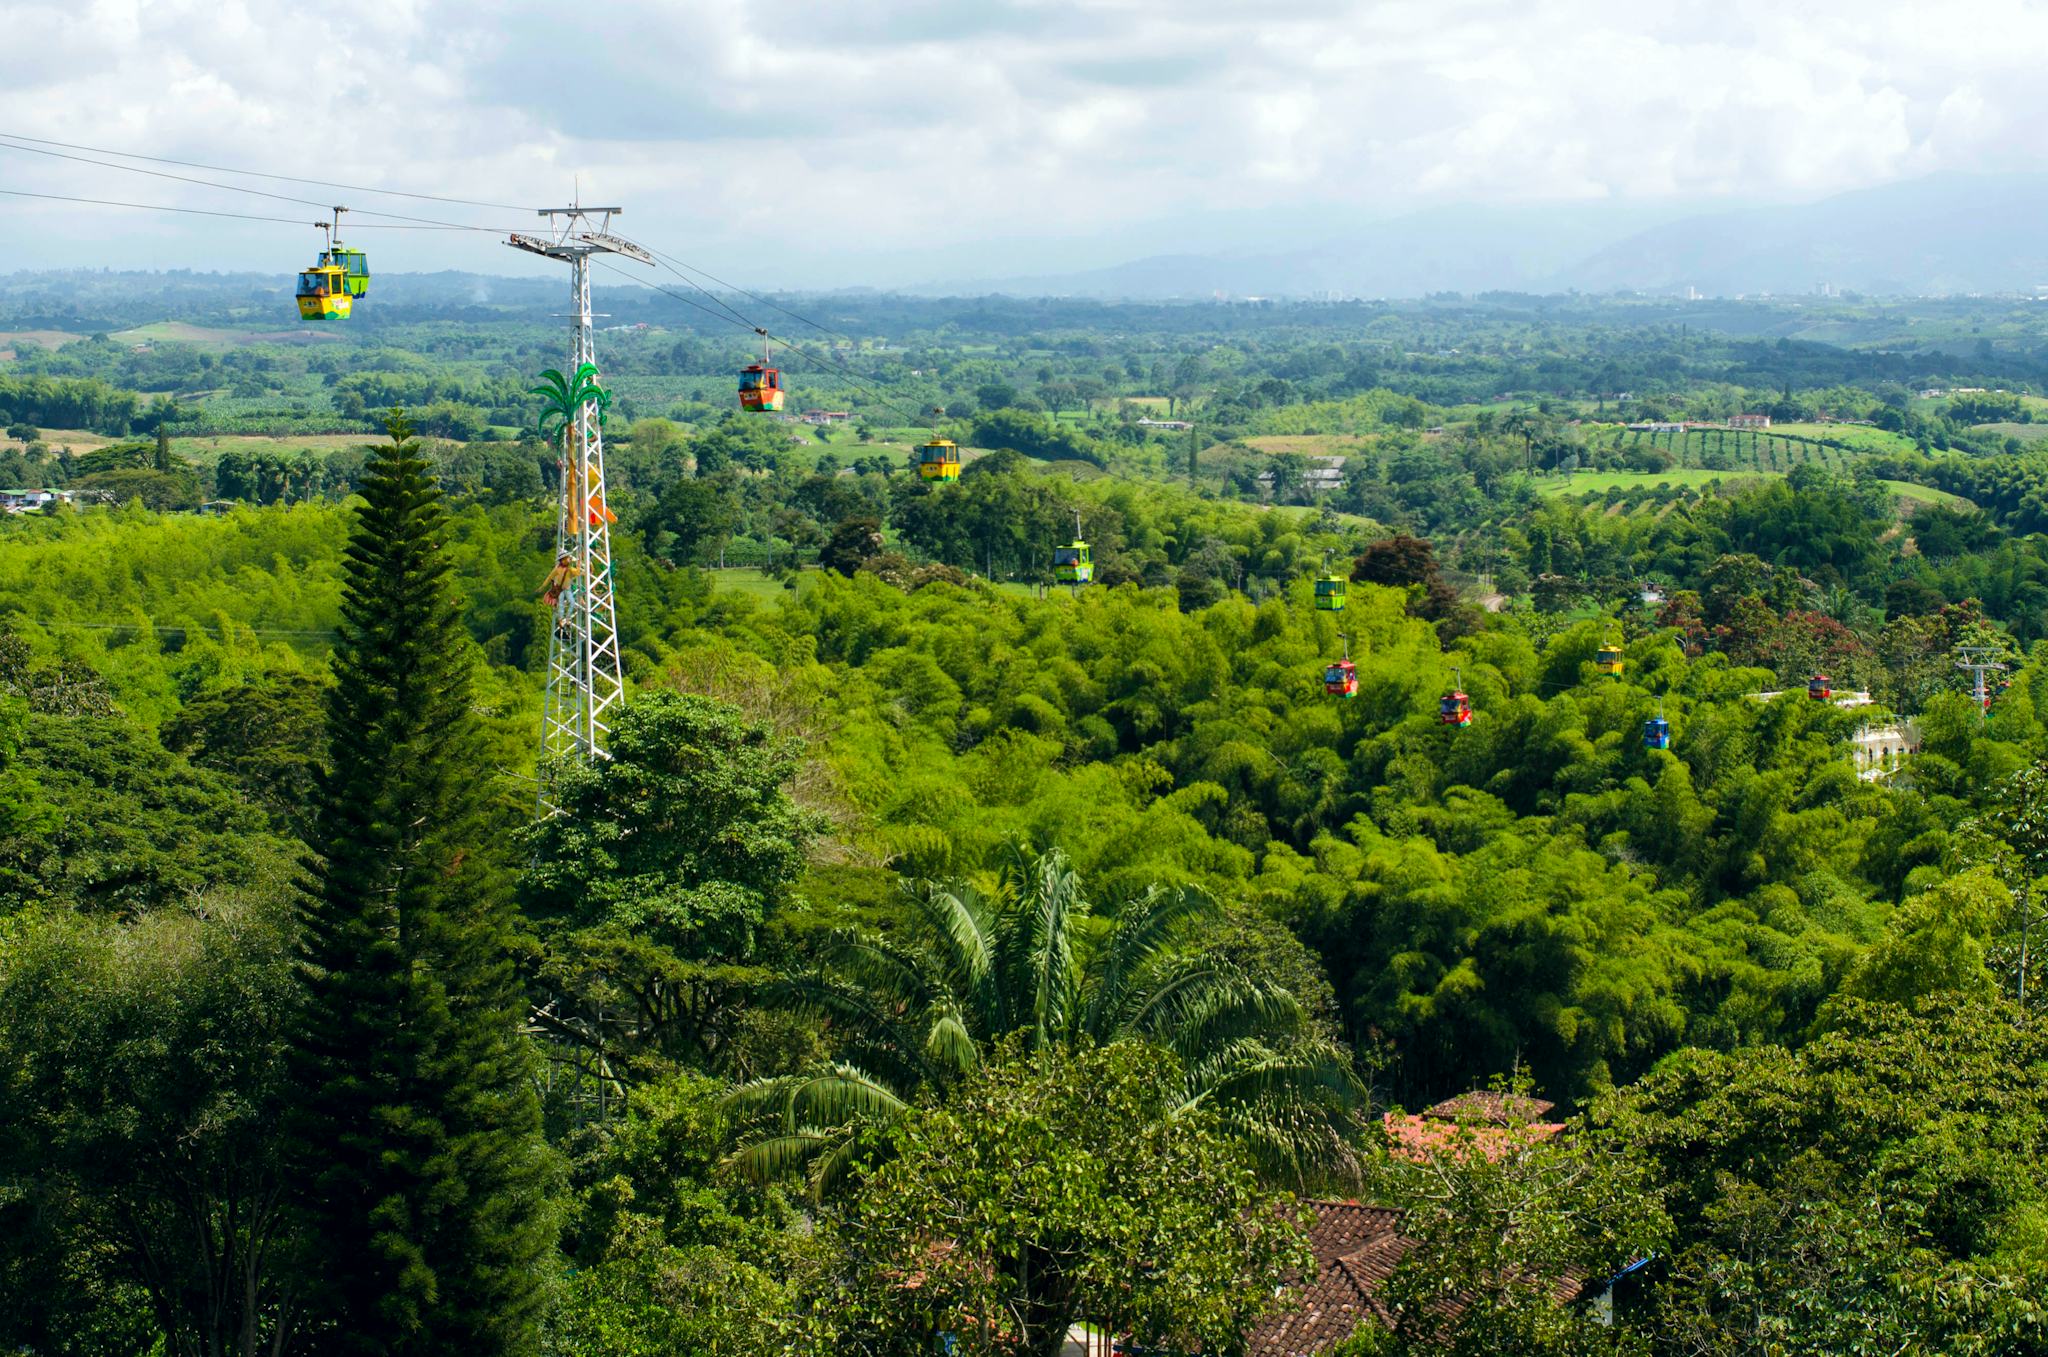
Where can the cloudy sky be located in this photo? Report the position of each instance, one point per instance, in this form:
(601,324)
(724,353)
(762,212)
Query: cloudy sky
(887,141)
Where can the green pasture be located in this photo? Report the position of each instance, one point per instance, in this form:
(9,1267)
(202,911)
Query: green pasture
(1600,482)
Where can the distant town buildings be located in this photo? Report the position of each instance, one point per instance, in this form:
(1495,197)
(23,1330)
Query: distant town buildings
(1749,421)
(825,416)
(29,501)
(1165,424)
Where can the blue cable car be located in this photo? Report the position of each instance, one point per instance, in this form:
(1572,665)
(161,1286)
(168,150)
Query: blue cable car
(1656,733)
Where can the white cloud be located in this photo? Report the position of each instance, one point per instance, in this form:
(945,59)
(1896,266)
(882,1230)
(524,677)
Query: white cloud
(827,133)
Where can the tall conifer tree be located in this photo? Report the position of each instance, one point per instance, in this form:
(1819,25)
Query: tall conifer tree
(424,1177)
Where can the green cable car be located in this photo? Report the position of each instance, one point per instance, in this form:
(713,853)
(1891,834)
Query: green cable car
(1071,563)
(1330,594)
(354,264)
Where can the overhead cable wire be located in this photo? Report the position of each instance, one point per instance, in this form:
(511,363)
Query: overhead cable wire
(743,323)
(675,263)
(259,174)
(829,357)
(671,262)
(241,188)
(151,207)
(209,212)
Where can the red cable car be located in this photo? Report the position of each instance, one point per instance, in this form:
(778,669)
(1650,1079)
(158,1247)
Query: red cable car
(760,384)
(760,388)
(1820,688)
(1340,679)
(1455,709)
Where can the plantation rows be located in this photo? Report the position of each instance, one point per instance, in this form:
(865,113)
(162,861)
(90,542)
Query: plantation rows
(1725,449)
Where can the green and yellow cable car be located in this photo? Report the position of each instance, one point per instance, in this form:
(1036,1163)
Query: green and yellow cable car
(939,460)
(1330,594)
(328,290)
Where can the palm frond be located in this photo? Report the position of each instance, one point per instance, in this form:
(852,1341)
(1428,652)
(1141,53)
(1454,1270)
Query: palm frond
(840,1093)
(958,924)
(949,1045)
(1049,911)
(1146,931)
(1203,1008)
(1297,1074)
(775,1157)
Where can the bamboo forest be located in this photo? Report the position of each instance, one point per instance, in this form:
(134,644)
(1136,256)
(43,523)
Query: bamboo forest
(1484,824)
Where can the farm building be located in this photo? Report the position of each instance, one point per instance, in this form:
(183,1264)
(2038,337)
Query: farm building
(1749,421)
(28,501)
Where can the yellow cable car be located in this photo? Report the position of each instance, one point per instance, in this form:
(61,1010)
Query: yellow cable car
(1607,659)
(323,293)
(939,460)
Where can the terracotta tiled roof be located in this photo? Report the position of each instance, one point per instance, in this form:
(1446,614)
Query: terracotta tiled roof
(1355,1248)
(1496,1108)
(1419,1136)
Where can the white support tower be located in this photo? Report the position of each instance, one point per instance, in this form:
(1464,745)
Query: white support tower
(584,676)
(1977,662)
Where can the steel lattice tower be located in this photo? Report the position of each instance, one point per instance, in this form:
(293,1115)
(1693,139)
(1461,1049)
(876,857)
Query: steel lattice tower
(584,676)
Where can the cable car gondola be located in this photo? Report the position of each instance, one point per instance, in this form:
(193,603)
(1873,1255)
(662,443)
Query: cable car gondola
(326,291)
(1657,731)
(939,460)
(323,293)
(1340,679)
(1607,659)
(1455,707)
(1820,688)
(1071,564)
(354,264)
(1329,589)
(761,385)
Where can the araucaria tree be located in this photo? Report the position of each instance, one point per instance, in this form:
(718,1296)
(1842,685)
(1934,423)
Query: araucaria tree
(422,1172)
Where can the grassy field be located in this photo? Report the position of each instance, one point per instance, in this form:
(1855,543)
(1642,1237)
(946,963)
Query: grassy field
(1855,436)
(1926,494)
(178,332)
(755,584)
(2026,433)
(78,440)
(1311,444)
(48,339)
(1599,482)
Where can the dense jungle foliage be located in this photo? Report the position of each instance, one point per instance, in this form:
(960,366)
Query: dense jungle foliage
(942,954)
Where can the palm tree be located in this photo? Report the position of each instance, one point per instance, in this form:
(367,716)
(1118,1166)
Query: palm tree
(561,397)
(1014,965)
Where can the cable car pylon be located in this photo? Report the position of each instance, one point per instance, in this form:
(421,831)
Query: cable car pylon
(585,679)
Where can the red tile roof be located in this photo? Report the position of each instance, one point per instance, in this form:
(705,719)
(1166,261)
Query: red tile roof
(1486,1105)
(1419,1136)
(1355,1248)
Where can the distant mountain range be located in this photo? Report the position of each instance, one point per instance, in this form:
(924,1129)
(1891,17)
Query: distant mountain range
(1941,234)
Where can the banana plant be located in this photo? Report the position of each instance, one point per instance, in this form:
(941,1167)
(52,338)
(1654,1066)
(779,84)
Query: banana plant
(562,397)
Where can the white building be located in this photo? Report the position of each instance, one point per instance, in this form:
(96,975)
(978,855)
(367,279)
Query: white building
(1881,750)
(28,501)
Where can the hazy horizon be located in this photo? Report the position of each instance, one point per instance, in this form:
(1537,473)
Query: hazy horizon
(918,143)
